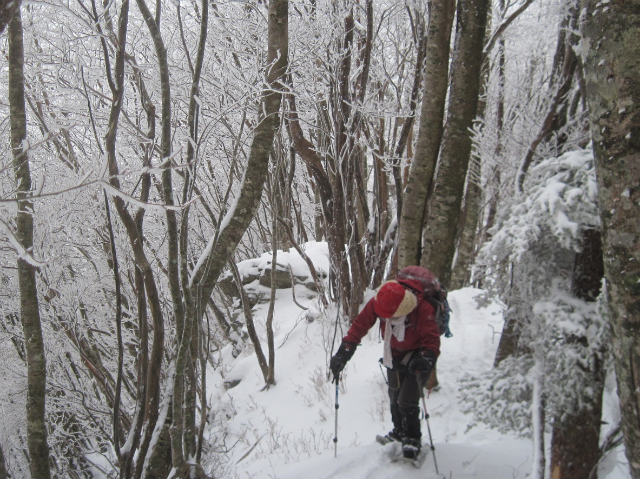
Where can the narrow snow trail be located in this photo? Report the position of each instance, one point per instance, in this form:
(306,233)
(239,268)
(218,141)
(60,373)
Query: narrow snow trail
(300,409)
(477,453)
(287,431)
(459,461)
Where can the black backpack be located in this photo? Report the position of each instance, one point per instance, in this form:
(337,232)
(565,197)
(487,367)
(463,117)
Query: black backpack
(432,291)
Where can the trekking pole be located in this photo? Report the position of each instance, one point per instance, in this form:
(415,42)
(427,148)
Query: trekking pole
(335,435)
(433,448)
(382,372)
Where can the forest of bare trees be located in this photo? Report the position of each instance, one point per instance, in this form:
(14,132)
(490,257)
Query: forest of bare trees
(150,146)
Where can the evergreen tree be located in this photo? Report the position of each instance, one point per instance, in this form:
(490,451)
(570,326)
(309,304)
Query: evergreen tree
(556,368)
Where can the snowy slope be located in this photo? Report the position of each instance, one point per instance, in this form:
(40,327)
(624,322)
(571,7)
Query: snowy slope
(287,431)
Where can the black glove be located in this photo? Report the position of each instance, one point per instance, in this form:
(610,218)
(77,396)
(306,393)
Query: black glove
(339,360)
(422,362)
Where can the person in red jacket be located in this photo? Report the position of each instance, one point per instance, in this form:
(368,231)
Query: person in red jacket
(411,348)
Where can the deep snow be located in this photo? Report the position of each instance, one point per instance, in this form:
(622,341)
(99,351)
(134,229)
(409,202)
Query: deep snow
(287,430)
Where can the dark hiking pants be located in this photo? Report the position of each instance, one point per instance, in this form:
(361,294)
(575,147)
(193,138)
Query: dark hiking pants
(404,395)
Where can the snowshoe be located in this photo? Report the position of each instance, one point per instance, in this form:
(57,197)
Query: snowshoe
(410,447)
(410,453)
(391,436)
(416,460)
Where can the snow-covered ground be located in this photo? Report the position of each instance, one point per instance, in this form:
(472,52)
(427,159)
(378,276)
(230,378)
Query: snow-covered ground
(287,430)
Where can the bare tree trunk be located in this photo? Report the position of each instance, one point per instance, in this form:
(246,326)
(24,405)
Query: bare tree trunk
(205,276)
(251,329)
(340,183)
(29,307)
(612,84)
(116,423)
(404,139)
(461,274)
(344,225)
(3,468)
(575,450)
(471,211)
(331,197)
(8,9)
(574,453)
(183,329)
(575,440)
(270,380)
(508,344)
(538,417)
(191,316)
(443,209)
(149,296)
(356,203)
(158,462)
(429,133)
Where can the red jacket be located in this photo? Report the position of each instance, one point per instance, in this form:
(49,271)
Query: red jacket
(421,329)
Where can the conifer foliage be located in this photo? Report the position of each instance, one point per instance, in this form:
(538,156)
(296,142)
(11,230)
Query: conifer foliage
(555,366)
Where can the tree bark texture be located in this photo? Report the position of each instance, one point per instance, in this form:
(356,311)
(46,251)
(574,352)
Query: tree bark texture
(270,379)
(158,463)
(116,424)
(611,31)
(29,307)
(404,139)
(574,445)
(444,205)
(508,343)
(461,275)
(441,14)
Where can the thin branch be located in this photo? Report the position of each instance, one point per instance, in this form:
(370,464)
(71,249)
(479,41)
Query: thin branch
(182,38)
(244,456)
(116,275)
(293,290)
(503,26)
(105,50)
(549,122)
(305,257)
(253,335)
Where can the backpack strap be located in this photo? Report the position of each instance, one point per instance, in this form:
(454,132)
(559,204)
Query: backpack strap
(415,291)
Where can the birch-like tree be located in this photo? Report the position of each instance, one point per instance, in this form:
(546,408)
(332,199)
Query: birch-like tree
(423,166)
(443,208)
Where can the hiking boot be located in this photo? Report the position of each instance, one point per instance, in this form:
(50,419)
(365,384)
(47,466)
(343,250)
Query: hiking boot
(410,447)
